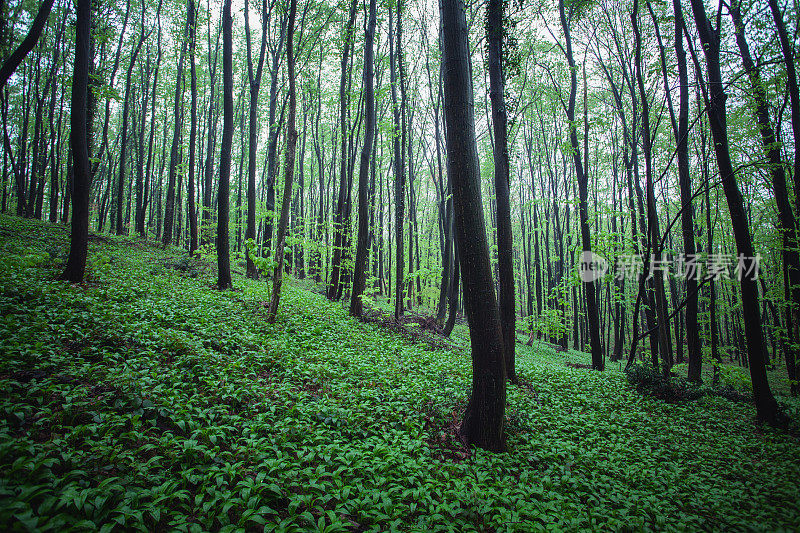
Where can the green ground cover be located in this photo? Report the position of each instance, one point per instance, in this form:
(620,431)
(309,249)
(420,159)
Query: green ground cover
(148,400)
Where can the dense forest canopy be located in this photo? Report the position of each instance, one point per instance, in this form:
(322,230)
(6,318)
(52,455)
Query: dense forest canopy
(636,165)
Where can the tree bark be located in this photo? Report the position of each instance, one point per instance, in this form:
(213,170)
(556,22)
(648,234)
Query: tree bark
(505,240)
(255,86)
(169,210)
(362,246)
(223,203)
(191,214)
(288,169)
(766,406)
(772,149)
(79,236)
(583,183)
(334,289)
(13,61)
(484,417)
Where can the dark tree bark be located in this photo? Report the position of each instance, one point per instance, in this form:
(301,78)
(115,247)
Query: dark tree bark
(792,88)
(766,406)
(334,289)
(653,228)
(362,246)
(123,150)
(79,237)
(693,343)
(144,197)
(274,129)
(191,215)
(505,240)
(208,179)
(399,170)
(169,210)
(12,62)
(484,417)
(772,149)
(583,188)
(223,203)
(255,86)
(288,169)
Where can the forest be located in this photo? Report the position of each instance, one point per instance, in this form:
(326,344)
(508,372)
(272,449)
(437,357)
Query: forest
(399,265)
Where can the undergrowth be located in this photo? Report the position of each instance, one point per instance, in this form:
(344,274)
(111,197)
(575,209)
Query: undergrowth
(147,400)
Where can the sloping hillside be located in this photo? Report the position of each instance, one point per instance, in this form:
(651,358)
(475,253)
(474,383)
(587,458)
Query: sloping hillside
(148,400)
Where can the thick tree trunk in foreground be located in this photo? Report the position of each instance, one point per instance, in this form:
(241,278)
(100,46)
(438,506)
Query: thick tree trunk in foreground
(484,417)
(766,406)
(79,238)
(362,246)
(223,202)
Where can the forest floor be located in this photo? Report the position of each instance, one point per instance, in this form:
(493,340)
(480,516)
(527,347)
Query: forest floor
(145,399)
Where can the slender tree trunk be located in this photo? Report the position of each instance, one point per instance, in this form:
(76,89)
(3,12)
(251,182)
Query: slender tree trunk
(789,61)
(766,406)
(123,150)
(255,86)
(334,290)
(288,169)
(13,61)
(399,171)
(583,184)
(772,149)
(362,247)
(191,214)
(169,211)
(505,239)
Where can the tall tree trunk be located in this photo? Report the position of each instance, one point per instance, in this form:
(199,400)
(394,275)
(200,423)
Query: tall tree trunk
(79,237)
(288,169)
(123,150)
(208,178)
(362,246)
(12,62)
(654,232)
(583,183)
(223,203)
(693,343)
(334,289)
(505,240)
(399,171)
(792,88)
(772,149)
(484,417)
(169,210)
(191,214)
(255,86)
(766,406)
